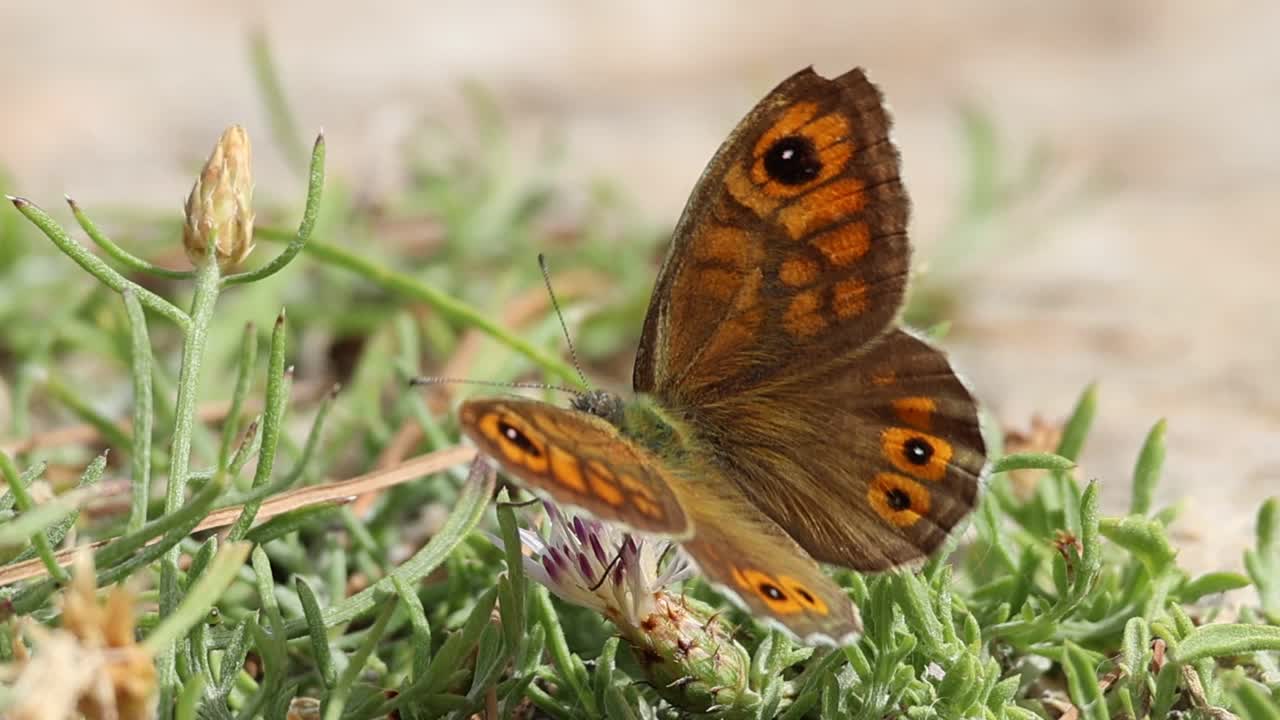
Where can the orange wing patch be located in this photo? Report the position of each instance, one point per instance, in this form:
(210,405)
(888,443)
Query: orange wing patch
(606,490)
(731,245)
(849,298)
(566,470)
(520,444)
(796,117)
(845,245)
(798,271)
(783,595)
(916,453)
(801,318)
(900,500)
(915,411)
(823,207)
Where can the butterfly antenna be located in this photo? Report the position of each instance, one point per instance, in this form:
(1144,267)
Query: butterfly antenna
(432,380)
(573,353)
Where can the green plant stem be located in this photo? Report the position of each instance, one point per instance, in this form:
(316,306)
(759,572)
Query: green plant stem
(143,415)
(119,254)
(95,266)
(202,304)
(447,305)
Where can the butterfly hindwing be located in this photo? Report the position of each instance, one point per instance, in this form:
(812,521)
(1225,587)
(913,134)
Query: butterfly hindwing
(744,552)
(868,465)
(578,459)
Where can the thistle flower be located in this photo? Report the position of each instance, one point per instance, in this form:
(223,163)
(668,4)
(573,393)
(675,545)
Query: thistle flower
(219,210)
(689,656)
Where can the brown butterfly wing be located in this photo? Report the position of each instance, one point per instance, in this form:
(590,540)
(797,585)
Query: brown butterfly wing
(869,464)
(578,459)
(742,551)
(792,250)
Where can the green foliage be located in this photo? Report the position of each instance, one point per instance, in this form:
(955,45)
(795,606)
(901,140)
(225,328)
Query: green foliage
(1047,604)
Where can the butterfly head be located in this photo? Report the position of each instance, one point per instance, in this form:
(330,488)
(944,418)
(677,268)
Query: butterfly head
(601,403)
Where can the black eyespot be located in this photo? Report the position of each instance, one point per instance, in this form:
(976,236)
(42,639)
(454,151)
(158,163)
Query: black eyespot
(792,160)
(772,592)
(806,596)
(898,499)
(918,451)
(519,439)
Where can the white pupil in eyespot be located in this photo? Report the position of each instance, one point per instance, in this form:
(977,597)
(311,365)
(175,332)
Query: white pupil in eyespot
(512,434)
(788,154)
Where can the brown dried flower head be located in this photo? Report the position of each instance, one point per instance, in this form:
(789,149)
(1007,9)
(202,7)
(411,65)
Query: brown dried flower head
(219,210)
(91,667)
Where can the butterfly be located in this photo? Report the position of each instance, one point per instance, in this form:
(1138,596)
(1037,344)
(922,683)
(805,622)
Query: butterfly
(781,418)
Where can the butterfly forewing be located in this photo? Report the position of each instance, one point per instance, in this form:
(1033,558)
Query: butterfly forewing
(792,250)
(579,460)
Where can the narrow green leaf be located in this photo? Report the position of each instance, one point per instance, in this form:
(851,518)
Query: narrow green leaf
(318,634)
(43,520)
(1077,427)
(189,700)
(234,655)
(1146,474)
(606,662)
(246,363)
(294,520)
(1227,639)
(460,643)
(616,705)
(419,623)
(1082,682)
(272,421)
(558,646)
(1263,563)
(913,599)
(1032,461)
(1211,584)
(1137,654)
(1252,699)
(28,476)
(140,365)
(341,692)
(1166,690)
(1143,537)
(95,265)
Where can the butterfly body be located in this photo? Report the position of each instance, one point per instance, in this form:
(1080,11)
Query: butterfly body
(779,416)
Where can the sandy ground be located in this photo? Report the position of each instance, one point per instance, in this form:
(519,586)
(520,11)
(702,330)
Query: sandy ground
(1161,286)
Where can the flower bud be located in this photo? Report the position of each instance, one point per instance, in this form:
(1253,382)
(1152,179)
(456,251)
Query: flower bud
(219,211)
(690,656)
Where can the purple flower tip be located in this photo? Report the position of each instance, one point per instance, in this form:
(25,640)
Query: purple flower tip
(598,550)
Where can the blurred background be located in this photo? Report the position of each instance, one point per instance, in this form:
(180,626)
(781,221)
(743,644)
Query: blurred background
(1095,183)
